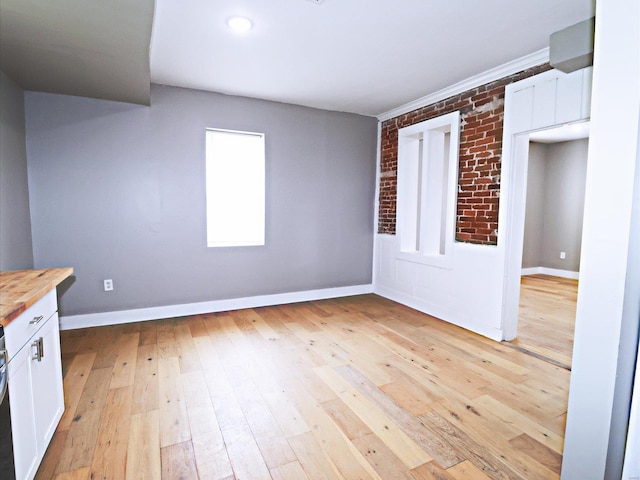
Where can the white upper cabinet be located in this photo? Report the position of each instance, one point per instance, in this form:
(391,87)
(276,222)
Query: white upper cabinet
(569,94)
(522,100)
(551,98)
(544,103)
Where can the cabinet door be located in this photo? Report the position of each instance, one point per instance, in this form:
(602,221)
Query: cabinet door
(25,445)
(46,374)
(569,97)
(544,103)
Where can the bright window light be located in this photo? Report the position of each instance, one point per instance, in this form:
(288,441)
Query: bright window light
(235,188)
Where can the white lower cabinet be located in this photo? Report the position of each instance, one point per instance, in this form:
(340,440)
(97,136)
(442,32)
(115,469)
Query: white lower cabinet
(46,379)
(35,384)
(23,428)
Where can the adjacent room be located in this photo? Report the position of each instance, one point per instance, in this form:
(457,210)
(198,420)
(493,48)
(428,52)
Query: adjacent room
(319,239)
(556,175)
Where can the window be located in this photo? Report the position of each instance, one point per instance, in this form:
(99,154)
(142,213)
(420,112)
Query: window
(235,181)
(427,181)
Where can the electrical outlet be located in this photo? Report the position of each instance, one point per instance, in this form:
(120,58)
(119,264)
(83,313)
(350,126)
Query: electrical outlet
(563,255)
(108,285)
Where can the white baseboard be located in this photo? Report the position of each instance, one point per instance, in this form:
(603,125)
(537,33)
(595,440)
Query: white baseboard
(170,311)
(435,311)
(550,271)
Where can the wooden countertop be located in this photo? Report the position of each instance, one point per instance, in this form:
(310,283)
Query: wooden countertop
(19,289)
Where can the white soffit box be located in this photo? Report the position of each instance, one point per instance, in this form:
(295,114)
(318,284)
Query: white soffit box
(571,48)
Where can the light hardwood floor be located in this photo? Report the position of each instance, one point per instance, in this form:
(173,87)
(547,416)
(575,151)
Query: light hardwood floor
(547,317)
(353,388)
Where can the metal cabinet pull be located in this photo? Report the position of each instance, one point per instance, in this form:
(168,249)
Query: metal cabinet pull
(35,345)
(39,346)
(36,320)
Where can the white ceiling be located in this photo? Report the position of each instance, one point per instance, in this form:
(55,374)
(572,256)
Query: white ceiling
(362,56)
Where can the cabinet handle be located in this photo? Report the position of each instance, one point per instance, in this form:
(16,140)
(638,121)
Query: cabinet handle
(39,346)
(36,320)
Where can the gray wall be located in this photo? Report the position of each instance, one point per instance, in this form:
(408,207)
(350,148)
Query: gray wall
(118,191)
(534,216)
(16,252)
(555,204)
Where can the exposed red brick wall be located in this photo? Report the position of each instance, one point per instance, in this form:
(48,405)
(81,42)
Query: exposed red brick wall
(482,113)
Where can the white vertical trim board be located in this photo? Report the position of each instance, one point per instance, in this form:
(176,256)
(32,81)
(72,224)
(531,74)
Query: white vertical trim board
(376,205)
(608,294)
(169,311)
(631,466)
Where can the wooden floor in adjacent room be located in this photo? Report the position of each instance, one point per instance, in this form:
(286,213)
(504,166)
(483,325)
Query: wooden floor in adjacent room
(547,317)
(353,388)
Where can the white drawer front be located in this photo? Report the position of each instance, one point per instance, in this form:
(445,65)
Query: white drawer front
(21,329)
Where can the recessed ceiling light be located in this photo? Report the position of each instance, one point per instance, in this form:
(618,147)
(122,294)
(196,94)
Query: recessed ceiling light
(239,24)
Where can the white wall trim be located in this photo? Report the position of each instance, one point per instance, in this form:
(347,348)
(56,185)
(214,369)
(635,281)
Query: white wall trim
(376,203)
(496,73)
(170,311)
(550,271)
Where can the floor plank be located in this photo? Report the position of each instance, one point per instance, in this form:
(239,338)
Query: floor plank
(313,459)
(547,301)
(289,471)
(109,457)
(431,471)
(245,455)
(74,381)
(381,458)
(47,469)
(357,387)
(276,451)
(124,369)
(143,452)
(178,462)
(538,451)
(467,471)
(174,421)
(146,387)
(398,441)
(80,474)
(206,437)
(81,441)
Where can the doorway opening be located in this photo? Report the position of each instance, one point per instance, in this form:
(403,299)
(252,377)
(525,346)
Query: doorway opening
(556,163)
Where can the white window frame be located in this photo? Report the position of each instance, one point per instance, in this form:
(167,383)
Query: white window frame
(428,155)
(224,205)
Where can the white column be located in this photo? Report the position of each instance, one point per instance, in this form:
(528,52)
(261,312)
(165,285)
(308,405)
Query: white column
(608,293)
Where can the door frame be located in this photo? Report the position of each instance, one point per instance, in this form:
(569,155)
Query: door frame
(537,103)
